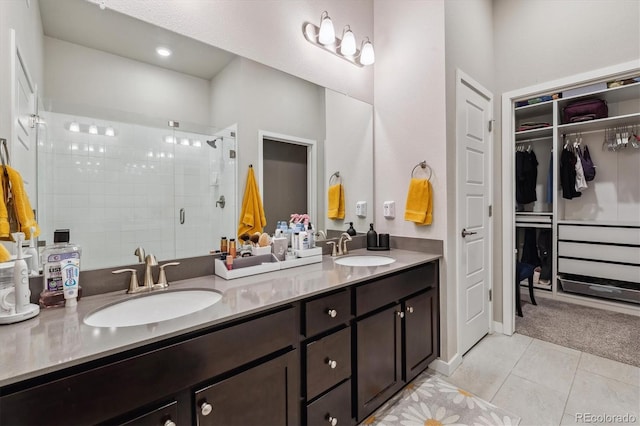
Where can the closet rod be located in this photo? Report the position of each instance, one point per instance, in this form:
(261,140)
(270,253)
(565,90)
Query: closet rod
(534,139)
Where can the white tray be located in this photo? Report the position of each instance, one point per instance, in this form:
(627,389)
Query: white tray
(300,261)
(220,268)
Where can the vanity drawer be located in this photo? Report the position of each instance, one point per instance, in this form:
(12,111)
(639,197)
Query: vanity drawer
(327,312)
(160,416)
(328,362)
(382,292)
(336,404)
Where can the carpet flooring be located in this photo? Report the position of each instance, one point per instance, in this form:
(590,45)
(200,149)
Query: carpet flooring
(429,400)
(599,332)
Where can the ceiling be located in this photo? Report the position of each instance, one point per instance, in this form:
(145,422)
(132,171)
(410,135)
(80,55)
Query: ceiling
(84,23)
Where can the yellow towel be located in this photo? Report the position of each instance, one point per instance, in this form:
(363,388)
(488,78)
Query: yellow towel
(252,217)
(336,202)
(4,253)
(26,218)
(419,208)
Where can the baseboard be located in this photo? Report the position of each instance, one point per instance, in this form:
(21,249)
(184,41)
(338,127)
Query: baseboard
(497,327)
(444,367)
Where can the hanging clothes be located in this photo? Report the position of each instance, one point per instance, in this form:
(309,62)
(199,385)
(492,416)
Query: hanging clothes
(549,198)
(530,248)
(581,182)
(526,177)
(568,174)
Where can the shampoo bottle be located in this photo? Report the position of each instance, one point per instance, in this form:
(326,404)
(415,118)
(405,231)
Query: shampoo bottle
(372,237)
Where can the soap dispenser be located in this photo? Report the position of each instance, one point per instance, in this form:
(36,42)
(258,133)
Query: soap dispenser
(372,238)
(351,231)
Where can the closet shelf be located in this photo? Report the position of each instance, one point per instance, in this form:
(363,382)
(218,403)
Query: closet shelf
(627,92)
(627,223)
(599,124)
(535,133)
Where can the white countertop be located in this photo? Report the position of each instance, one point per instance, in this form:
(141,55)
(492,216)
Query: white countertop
(57,338)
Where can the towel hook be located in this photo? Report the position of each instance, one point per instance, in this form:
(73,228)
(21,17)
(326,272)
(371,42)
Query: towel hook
(423,165)
(336,175)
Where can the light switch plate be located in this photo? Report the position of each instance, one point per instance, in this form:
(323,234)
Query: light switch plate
(361,209)
(389,209)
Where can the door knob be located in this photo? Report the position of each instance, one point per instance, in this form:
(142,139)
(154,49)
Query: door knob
(169,422)
(332,313)
(410,309)
(465,233)
(332,420)
(206,408)
(400,314)
(331,363)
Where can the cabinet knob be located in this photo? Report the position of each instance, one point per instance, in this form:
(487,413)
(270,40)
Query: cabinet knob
(410,309)
(332,420)
(400,314)
(169,422)
(332,313)
(205,408)
(331,363)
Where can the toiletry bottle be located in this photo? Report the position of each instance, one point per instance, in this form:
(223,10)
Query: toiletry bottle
(34,260)
(223,244)
(351,231)
(53,292)
(311,237)
(232,247)
(372,237)
(22,293)
(70,271)
(229,261)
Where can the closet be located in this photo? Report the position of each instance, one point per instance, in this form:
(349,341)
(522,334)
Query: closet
(586,240)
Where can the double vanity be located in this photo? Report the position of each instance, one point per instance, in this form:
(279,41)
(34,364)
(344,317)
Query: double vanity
(322,344)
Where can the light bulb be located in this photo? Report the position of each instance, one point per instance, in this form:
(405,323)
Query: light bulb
(367,57)
(93,129)
(169,139)
(163,51)
(74,126)
(327,34)
(348,44)
(197,144)
(109,131)
(184,141)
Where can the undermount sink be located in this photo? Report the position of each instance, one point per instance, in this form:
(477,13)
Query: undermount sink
(364,260)
(154,307)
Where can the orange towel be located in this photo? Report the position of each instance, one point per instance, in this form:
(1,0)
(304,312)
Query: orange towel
(335,202)
(24,212)
(252,217)
(419,207)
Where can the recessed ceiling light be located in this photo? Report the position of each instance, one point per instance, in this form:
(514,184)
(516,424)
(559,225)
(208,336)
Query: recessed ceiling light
(163,51)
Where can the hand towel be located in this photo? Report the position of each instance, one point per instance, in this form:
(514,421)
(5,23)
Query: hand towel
(419,207)
(5,256)
(336,202)
(252,217)
(24,212)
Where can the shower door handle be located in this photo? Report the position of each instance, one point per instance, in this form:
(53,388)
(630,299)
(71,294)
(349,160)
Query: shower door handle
(182,216)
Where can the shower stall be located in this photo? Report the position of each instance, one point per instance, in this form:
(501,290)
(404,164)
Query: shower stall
(134,181)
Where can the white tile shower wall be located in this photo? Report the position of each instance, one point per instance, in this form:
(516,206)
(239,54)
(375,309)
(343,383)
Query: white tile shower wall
(116,193)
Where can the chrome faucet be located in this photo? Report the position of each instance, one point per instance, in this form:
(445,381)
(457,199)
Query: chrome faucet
(334,252)
(342,243)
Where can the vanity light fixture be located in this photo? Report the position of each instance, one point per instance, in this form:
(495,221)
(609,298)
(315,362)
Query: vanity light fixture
(74,127)
(345,48)
(109,131)
(163,51)
(169,139)
(93,129)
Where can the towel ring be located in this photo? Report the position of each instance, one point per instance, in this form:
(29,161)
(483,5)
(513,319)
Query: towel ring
(336,175)
(423,165)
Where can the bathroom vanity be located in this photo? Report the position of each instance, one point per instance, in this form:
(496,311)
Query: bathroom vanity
(320,344)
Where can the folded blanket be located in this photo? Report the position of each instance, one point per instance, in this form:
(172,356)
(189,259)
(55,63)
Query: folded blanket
(419,207)
(336,202)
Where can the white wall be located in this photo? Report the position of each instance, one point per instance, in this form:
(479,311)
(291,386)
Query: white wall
(81,76)
(269,32)
(410,123)
(539,40)
(349,150)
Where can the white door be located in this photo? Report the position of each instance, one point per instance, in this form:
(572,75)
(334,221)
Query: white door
(473,139)
(23,142)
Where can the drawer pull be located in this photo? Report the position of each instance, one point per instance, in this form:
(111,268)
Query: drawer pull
(332,313)
(205,408)
(331,363)
(169,422)
(332,420)
(410,309)
(400,314)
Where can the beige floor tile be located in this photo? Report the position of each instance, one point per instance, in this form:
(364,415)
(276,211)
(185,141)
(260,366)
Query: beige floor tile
(611,369)
(550,365)
(536,404)
(596,394)
(569,420)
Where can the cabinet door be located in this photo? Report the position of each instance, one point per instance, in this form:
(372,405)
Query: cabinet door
(378,359)
(263,395)
(421,322)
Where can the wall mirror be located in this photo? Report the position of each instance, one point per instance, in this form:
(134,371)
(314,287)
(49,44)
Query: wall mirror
(115,172)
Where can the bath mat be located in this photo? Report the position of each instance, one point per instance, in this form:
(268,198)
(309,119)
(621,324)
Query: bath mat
(429,400)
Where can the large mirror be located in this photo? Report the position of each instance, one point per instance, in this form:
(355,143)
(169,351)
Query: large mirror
(113,170)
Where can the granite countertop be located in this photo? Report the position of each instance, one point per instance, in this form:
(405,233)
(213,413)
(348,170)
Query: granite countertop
(57,338)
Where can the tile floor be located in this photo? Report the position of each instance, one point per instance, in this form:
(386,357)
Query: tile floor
(547,384)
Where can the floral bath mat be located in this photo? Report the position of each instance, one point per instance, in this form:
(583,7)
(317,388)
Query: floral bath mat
(430,401)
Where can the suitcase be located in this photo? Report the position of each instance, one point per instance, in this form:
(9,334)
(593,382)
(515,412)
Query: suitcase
(584,110)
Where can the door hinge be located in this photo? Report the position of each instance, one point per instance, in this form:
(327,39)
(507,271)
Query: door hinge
(490,211)
(491,125)
(490,295)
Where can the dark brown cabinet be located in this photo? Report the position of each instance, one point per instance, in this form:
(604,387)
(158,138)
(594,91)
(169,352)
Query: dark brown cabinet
(166,415)
(421,332)
(260,396)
